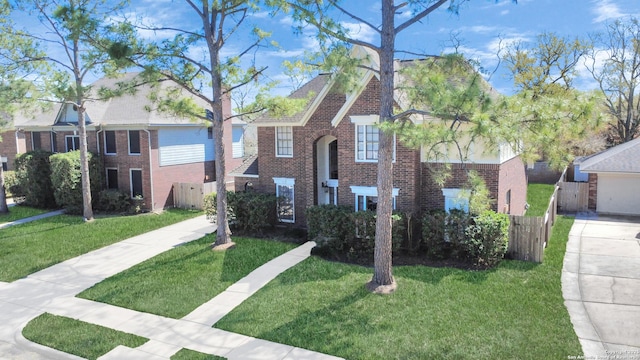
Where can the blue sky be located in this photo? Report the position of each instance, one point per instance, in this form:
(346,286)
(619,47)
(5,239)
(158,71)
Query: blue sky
(480,25)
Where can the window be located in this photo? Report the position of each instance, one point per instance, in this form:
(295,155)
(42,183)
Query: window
(110,142)
(507,205)
(367,197)
(286,200)
(284,141)
(210,132)
(72,142)
(368,138)
(54,142)
(456,199)
(134,142)
(5,165)
(136,182)
(112,178)
(35,138)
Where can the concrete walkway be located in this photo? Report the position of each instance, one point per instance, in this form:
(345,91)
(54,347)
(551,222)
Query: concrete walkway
(53,290)
(30,219)
(601,285)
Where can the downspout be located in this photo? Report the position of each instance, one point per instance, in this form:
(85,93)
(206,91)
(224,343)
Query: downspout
(153,203)
(18,143)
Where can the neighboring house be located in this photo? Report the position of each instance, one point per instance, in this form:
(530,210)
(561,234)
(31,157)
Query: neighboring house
(143,151)
(614,179)
(327,154)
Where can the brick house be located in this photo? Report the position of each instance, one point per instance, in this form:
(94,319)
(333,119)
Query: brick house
(327,154)
(143,151)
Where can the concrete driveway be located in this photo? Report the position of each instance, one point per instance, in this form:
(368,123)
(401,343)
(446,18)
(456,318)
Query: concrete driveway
(601,285)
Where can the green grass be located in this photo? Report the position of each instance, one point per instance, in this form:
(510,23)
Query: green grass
(176,282)
(186,354)
(515,311)
(20,212)
(538,196)
(33,246)
(77,337)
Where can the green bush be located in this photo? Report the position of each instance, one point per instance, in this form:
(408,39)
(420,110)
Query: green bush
(112,200)
(487,238)
(433,230)
(456,222)
(33,179)
(341,233)
(66,179)
(11,183)
(249,212)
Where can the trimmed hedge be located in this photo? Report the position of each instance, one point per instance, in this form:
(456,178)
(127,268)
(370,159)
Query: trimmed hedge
(488,238)
(33,179)
(340,232)
(112,200)
(249,212)
(66,179)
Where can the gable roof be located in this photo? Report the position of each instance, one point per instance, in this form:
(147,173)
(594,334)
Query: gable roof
(129,110)
(623,158)
(249,168)
(318,87)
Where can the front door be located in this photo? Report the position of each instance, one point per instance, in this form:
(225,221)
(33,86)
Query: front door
(327,170)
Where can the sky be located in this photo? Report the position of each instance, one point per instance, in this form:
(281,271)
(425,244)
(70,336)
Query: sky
(480,26)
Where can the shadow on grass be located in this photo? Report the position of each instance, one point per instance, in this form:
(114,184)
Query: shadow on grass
(39,227)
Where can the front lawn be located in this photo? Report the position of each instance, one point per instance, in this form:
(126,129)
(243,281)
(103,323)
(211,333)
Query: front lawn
(30,247)
(20,212)
(176,282)
(77,337)
(515,311)
(186,354)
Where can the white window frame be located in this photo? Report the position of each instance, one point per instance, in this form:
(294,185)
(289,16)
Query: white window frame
(456,199)
(369,191)
(131,182)
(289,133)
(114,139)
(66,144)
(364,121)
(287,182)
(129,142)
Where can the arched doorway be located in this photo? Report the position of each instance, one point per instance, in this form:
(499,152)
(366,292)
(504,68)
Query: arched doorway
(327,170)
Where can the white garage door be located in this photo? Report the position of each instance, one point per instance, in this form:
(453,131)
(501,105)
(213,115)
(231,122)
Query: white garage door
(618,194)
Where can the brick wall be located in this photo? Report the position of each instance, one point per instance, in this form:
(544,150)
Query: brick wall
(512,177)
(10,146)
(593,191)
(302,167)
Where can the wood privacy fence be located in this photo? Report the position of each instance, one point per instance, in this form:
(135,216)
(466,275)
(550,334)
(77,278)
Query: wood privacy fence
(573,196)
(528,236)
(191,195)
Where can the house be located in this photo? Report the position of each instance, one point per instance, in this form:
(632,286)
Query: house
(614,179)
(143,150)
(327,154)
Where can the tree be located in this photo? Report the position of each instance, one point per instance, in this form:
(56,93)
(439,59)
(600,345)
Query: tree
(75,34)
(547,111)
(207,76)
(618,76)
(15,90)
(318,13)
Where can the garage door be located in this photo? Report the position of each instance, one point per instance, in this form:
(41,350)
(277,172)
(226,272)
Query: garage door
(618,194)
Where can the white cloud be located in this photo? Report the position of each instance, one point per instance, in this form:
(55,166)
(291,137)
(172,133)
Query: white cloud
(605,10)
(360,32)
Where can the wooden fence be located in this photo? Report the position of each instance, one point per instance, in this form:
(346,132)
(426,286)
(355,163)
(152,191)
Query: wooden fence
(573,196)
(191,195)
(528,236)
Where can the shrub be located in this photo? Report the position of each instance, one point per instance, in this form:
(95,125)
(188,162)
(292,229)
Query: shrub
(112,200)
(249,212)
(341,233)
(33,179)
(66,179)
(433,230)
(456,222)
(487,238)
(11,184)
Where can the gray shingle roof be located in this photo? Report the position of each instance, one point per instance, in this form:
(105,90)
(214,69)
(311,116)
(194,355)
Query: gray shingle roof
(122,110)
(249,167)
(624,158)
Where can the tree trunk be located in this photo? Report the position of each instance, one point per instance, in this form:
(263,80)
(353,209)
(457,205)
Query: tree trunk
(3,193)
(223,233)
(382,281)
(87,211)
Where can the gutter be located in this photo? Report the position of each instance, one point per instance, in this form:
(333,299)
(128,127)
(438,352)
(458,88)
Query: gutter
(153,203)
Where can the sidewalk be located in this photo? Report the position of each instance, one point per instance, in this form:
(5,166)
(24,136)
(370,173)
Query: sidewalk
(53,290)
(33,218)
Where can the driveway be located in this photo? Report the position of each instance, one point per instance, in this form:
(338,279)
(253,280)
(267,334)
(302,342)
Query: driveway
(601,285)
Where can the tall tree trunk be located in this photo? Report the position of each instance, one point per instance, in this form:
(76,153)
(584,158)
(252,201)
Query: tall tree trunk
(223,233)
(3,192)
(382,281)
(87,211)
